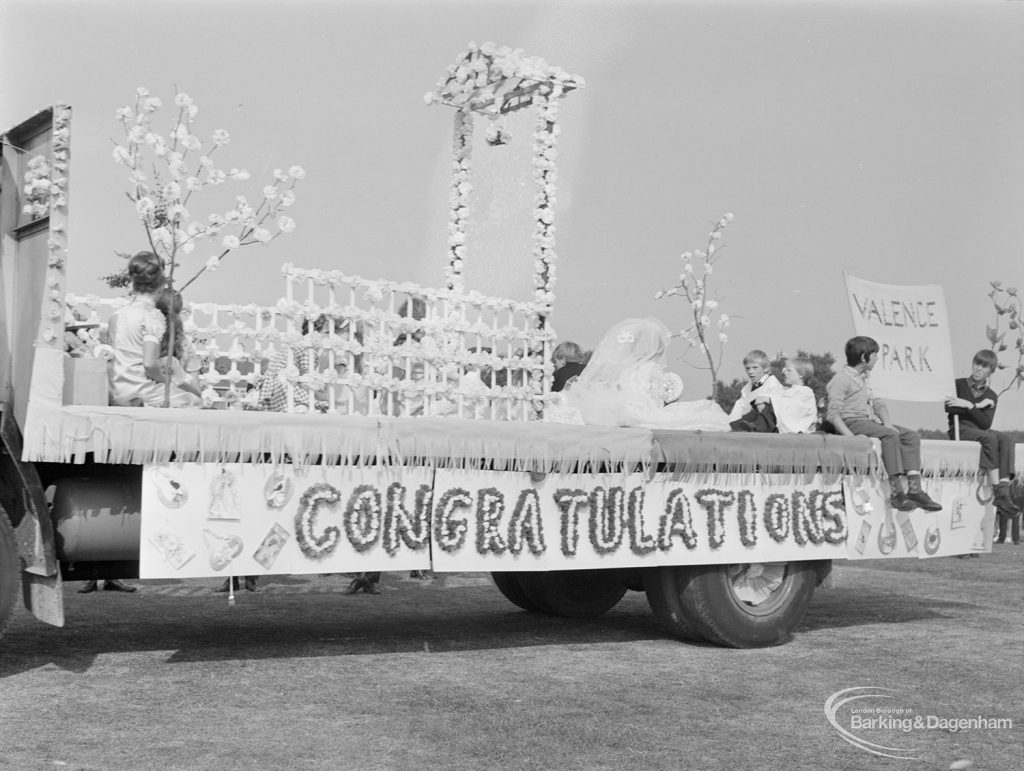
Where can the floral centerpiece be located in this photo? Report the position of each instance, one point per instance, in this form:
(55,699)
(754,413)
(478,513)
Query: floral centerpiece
(705,332)
(165,172)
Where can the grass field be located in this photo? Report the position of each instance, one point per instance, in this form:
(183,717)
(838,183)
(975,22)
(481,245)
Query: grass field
(447,674)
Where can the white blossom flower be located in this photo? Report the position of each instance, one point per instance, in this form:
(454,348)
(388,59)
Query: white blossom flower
(193,184)
(658,295)
(286,223)
(213,263)
(711,304)
(121,155)
(172,190)
(216,176)
(216,220)
(181,99)
(262,235)
(136,135)
(708,269)
(287,198)
(239,174)
(728,216)
(280,176)
(144,205)
(688,268)
(270,192)
(125,113)
(221,137)
(142,91)
(191,142)
(723,338)
(297,172)
(231,242)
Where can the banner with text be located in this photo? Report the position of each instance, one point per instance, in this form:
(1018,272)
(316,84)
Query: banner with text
(915,362)
(256,519)
(489,520)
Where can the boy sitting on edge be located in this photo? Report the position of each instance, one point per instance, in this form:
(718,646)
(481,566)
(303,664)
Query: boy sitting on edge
(854,410)
(753,410)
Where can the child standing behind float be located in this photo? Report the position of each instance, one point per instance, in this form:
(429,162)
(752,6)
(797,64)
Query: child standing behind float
(975,406)
(855,411)
(796,408)
(753,410)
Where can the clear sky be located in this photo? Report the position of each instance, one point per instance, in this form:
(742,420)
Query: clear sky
(883,139)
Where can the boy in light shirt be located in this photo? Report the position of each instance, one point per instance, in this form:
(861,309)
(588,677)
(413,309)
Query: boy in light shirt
(855,411)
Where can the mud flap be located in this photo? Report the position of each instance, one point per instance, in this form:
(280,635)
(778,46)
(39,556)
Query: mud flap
(44,597)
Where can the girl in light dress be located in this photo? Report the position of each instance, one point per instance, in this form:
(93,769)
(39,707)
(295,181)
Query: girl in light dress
(136,372)
(625,383)
(796,408)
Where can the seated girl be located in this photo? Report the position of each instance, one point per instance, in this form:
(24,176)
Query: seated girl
(626,384)
(796,408)
(135,371)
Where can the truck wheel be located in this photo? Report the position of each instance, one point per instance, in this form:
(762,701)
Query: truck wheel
(574,593)
(748,605)
(508,584)
(10,578)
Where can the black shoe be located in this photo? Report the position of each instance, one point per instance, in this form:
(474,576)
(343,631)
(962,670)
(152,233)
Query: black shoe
(1003,502)
(370,587)
(90,586)
(250,584)
(117,586)
(900,501)
(923,500)
(354,586)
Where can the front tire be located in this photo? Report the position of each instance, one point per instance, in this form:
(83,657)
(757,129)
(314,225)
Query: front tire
(574,593)
(738,606)
(10,578)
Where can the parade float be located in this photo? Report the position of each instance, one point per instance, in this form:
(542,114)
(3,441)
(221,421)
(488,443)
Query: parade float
(412,434)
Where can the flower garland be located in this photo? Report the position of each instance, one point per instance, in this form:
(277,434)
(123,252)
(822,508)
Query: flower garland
(401,526)
(777,517)
(526,526)
(746,511)
(490,505)
(640,543)
(678,520)
(459,199)
(46,184)
(545,175)
(450,532)
(569,502)
(363,517)
(715,502)
(316,546)
(606,515)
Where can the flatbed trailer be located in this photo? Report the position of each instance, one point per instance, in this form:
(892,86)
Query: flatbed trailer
(728,535)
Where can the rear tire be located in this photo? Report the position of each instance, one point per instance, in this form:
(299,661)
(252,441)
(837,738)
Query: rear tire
(738,606)
(574,593)
(10,572)
(508,584)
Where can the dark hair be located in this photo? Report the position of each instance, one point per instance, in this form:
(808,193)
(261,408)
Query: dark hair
(859,349)
(569,351)
(319,324)
(146,271)
(169,303)
(986,358)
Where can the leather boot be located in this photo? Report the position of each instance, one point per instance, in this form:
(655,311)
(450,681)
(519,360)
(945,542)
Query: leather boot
(918,495)
(90,586)
(1003,501)
(899,500)
(250,584)
(115,585)
(1003,520)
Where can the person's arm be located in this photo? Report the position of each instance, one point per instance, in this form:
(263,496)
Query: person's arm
(151,363)
(881,411)
(836,392)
